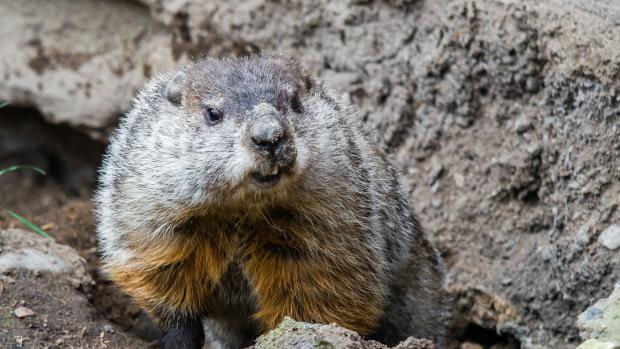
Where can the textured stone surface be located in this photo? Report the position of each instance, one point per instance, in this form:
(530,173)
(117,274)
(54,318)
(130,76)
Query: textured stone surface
(42,307)
(30,259)
(610,237)
(21,312)
(600,323)
(24,251)
(78,62)
(300,335)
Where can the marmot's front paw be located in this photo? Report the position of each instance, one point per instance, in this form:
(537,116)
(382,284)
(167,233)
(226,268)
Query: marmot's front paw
(184,334)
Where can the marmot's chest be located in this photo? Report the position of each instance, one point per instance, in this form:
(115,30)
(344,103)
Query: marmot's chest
(289,275)
(294,270)
(272,243)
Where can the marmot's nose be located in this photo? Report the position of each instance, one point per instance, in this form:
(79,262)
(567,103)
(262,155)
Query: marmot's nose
(270,135)
(267,131)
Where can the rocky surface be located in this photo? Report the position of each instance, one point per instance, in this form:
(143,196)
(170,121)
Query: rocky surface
(299,335)
(600,323)
(78,62)
(503,116)
(42,298)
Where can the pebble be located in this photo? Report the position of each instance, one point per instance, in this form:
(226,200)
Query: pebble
(532,84)
(470,345)
(548,253)
(583,237)
(523,123)
(507,60)
(459,180)
(435,173)
(610,237)
(534,149)
(22,312)
(7,279)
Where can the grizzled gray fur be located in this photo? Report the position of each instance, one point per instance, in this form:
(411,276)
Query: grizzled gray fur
(238,191)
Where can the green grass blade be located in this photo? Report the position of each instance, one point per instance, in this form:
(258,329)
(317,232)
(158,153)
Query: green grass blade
(29,224)
(3,104)
(21,167)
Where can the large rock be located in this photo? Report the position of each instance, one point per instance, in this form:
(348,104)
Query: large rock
(600,323)
(78,62)
(300,335)
(43,300)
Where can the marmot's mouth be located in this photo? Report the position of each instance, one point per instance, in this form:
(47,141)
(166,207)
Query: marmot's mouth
(266,181)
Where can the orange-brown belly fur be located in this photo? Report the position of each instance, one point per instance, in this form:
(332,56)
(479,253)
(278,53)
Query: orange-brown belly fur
(179,275)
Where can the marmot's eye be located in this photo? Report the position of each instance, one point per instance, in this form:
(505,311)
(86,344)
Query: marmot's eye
(213,116)
(296,103)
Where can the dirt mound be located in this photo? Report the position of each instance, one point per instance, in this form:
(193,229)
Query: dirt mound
(43,303)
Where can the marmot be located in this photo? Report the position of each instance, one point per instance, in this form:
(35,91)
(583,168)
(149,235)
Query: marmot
(238,191)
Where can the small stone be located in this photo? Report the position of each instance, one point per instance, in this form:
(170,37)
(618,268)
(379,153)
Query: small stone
(582,237)
(507,60)
(523,123)
(7,279)
(470,345)
(22,312)
(610,237)
(436,172)
(75,283)
(590,188)
(532,84)
(518,15)
(548,253)
(408,343)
(534,149)
(459,180)
(91,331)
(108,328)
(464,121)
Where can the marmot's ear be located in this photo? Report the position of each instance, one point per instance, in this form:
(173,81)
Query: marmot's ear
(174,89)
(308,80)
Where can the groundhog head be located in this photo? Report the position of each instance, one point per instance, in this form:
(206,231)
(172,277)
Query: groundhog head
(253,127)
